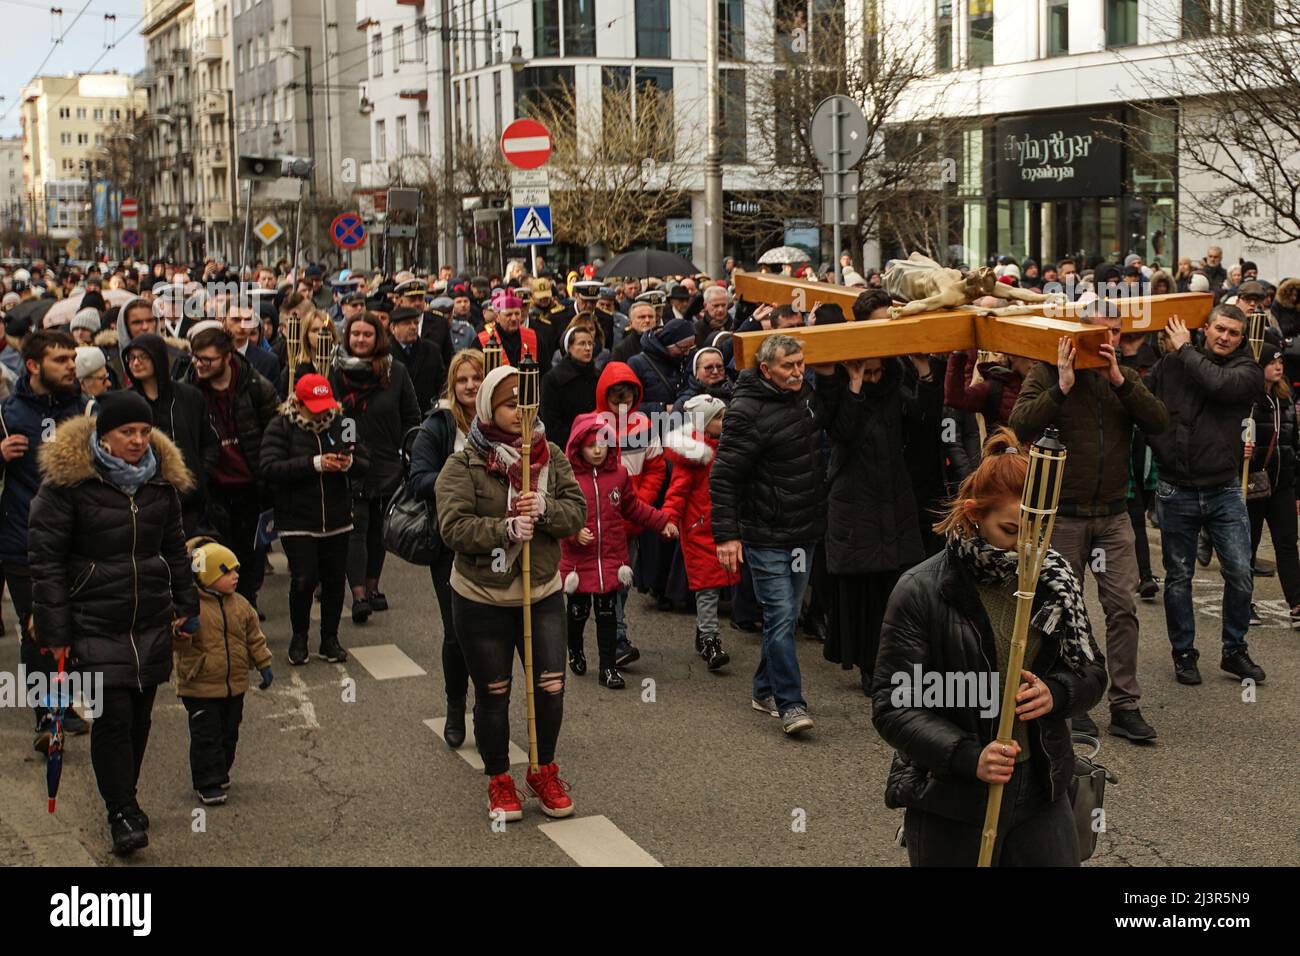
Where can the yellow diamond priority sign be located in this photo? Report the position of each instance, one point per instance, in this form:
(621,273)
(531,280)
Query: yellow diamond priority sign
(268,230)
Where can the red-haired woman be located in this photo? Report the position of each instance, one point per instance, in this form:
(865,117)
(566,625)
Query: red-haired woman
(379,400)
(950,620)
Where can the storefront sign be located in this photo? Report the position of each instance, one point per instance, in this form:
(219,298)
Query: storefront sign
(1057,156)
(680,232)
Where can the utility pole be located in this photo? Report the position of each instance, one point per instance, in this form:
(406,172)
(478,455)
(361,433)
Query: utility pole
(311,154)
(713,155)
(232,163)
(448,215)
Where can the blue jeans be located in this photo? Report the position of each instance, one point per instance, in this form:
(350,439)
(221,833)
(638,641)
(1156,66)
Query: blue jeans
(780,576)
(1222,511)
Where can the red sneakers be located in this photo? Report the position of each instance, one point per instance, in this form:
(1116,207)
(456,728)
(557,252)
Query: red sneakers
(550,790)
(503,799)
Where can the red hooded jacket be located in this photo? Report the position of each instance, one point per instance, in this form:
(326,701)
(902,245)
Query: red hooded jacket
(601,567)
(688,506)
(639,449)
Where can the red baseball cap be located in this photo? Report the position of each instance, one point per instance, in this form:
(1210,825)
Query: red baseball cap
(315,393)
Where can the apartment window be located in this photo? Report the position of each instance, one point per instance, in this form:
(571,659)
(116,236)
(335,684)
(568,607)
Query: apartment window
(81,112)
(65,139)
(239,59)
(496,102)
(1257,14)
(546,27)
(1121,22)
(1197,17)
(1058,27)
(381,141)
(99,139)
(83,139)
(377,55)
(65,112)
(422,130)
(731,29)
(418,41)
(115,115)
(731,116)
(98,114)
(264,55)
(538,83)
(67,165)
(652,30)
(399,55)
(979,51)
(943,35)
(401,136)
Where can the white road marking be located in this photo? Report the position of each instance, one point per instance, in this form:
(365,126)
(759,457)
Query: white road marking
(304,713)
(596,841)
(469,749)
(386,661)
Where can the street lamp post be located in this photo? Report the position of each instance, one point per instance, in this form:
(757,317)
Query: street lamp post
(712,158)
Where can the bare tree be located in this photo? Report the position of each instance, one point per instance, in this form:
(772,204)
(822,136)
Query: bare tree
(877,62)
(1229,116)
(617,167)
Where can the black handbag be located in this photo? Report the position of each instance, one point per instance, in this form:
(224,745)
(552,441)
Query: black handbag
(410,522)
(1087,794)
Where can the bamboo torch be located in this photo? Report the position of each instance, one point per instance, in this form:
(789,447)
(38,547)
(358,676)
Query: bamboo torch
(492,353)
(292,343)
(323,351)
(1038,504)
(529,399)
(1255,324)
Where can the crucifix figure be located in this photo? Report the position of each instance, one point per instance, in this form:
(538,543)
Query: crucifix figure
(926,286)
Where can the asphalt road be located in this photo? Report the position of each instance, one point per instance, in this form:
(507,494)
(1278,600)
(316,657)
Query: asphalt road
(337,767)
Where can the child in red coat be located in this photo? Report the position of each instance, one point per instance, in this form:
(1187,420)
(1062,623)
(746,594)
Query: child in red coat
(594,561)
(692,450)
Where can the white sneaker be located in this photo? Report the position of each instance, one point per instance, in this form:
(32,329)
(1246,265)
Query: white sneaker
(765,705)
(796,721)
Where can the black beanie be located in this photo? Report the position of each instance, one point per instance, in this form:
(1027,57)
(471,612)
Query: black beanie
(1269,352)
(116,409)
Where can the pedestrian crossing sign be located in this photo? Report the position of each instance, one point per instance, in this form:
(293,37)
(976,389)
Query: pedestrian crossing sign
(533,226)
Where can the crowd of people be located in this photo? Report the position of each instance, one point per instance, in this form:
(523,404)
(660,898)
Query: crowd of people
(163,425)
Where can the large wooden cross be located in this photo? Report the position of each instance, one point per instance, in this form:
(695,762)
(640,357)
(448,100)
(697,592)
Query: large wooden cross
(1033,331)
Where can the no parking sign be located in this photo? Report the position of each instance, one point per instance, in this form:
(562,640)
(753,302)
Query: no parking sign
(348,231)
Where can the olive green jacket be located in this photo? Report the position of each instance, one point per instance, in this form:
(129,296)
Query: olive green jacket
(472,513)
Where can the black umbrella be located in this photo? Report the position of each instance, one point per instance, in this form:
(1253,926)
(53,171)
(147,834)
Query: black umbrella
(647,263)
(26,316)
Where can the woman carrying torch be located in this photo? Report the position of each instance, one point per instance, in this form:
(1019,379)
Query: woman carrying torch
(941,670)
(499,524)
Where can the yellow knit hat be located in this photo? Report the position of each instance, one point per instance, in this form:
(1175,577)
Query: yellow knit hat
(211,561)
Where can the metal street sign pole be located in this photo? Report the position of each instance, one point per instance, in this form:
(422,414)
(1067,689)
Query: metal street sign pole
(297,233)
(837,171)
(248,221)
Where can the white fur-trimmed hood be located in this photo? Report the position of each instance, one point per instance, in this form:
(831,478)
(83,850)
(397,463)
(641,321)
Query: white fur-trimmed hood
(686,443)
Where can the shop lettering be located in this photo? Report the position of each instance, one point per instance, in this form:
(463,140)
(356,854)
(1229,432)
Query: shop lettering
(1056,148)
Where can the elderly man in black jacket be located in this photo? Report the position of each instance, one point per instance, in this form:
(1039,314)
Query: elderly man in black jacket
(769,506)
(1209,392)
(421,357)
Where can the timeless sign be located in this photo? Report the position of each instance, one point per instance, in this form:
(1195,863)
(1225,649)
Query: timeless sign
(1048,157)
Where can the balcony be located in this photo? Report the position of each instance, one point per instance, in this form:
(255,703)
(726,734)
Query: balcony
(207,49)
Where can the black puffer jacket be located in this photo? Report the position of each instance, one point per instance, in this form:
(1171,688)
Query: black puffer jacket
(181,412)
(308,500)
(768,481)
(1208,396)
(1276,416)
(109,572)
(384,414)
(568,390)
(935,621)
(872,523)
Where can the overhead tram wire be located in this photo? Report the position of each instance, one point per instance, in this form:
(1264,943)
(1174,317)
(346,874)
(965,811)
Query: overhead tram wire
(54,45)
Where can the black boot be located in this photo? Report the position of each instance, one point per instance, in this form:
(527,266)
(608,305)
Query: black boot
(714,655)
(454,730)
(332,651)
(298,652)
(128,834)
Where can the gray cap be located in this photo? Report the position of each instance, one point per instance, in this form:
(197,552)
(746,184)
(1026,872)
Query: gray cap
(90,359)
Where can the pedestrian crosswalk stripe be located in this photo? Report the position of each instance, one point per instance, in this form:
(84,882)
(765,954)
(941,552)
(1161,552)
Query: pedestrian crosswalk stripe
(386,661)
(469,749)
(596,841)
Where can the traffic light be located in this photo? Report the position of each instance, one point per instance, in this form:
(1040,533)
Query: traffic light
(296,167)
(259,167)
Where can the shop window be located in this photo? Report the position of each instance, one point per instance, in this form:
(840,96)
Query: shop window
(1121,22)
(979,50)
(537,83)
(1058,27)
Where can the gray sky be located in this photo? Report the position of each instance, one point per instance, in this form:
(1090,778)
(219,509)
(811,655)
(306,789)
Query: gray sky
(27,35)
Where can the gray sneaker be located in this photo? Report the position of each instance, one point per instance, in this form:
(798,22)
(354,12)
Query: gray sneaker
(796,721)
(766,705)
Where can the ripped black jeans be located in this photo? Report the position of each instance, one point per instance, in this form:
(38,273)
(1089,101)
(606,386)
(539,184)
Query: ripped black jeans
(490,637)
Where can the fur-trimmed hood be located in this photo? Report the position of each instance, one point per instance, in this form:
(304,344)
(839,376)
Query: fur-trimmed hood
(1288,294)
(108,338)
(66,460)
(686,444)
(291,410)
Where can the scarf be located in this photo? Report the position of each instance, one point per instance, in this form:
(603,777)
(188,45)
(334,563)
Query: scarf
(125,476)
(357,384)
(1061,614)
(503,453)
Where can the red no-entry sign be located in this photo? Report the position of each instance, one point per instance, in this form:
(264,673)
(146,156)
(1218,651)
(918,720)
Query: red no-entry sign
(130,208)
(526,144)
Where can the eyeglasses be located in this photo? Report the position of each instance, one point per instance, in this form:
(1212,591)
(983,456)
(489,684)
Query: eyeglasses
(135,358)
(206,360)
(714,367)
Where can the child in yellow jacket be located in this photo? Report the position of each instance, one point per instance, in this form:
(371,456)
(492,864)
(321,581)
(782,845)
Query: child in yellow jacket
(212,667)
